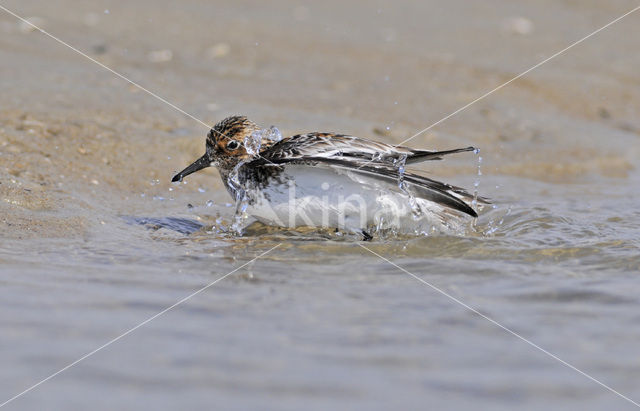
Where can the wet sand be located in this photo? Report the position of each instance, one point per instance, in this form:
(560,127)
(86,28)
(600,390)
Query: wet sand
(96,239)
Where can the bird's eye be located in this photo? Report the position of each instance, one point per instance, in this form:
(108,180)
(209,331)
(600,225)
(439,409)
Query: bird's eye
(233,145)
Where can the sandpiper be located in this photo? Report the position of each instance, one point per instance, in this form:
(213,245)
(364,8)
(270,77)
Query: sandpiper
(331,180)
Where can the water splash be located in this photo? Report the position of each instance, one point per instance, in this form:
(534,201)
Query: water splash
(493,226)
(273,134)
(241,198)
(476,183)
(253,145)
(241,215)
(253,142)
(400,164)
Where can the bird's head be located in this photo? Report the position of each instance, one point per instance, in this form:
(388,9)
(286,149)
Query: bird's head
(225,146)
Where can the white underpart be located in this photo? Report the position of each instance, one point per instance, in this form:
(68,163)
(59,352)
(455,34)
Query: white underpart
(339,198)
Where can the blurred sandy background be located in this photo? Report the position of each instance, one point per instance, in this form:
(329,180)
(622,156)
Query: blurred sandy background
(84,156)
(372,69)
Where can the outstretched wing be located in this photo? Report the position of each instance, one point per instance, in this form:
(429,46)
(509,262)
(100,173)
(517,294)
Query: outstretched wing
(348,148)
(368,158)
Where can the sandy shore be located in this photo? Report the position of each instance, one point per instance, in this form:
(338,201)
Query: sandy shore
(305,68)
(80,148)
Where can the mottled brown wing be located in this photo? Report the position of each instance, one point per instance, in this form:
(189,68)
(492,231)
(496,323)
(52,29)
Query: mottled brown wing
(347,148)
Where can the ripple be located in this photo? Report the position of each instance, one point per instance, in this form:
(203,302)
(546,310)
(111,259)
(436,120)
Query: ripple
(180,225)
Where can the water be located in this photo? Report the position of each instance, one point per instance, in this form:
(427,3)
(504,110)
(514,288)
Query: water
(342,326)
(89,250)
(323,320)
(253,142)
(252,145)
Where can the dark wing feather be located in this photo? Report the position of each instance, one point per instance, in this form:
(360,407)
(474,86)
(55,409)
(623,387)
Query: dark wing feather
(349,148)
(424,155)
(369,158)
(422,187)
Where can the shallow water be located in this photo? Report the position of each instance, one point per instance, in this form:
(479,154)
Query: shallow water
(95,240)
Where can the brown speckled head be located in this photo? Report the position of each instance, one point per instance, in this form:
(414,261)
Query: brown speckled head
(226,139)
(225,146)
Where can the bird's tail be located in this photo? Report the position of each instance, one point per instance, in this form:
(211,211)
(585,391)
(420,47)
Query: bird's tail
(418,156)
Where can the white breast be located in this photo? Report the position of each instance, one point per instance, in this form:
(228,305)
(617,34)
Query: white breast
(338,198)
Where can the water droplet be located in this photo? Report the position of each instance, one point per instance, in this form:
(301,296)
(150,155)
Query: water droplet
(476,183)
(273,134)
(253,142)
(202,190)
(209,203)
